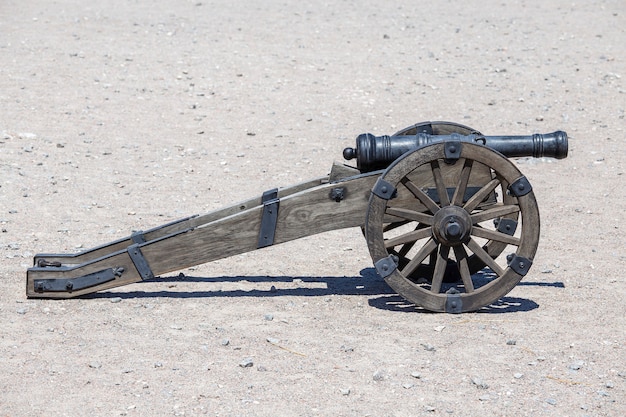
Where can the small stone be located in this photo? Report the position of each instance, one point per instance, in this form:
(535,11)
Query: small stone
(430,408)
(158,365)
(518,375)
(428,347)
(347,348)
(176,327)
(225,342)
(511,342)
(116,299)
(246,363)
(261,368)
(408,385)
(609,384)
(551,401)
(485,397)
(416,375)
(479,383)
(273,340)
(345,391)
(269,317)
(576,365)
(273,289)
(95,365)
(21,311)
(379,375)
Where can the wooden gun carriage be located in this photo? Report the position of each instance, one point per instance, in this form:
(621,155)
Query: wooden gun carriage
(451,224)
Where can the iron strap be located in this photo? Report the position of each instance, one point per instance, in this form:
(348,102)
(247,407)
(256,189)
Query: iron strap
(78,283)
(140,262)
(269,218)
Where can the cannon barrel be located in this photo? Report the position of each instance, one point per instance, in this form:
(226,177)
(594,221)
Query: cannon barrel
(377,152)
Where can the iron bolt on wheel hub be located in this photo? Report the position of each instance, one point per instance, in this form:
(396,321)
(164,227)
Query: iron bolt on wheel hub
(452,226)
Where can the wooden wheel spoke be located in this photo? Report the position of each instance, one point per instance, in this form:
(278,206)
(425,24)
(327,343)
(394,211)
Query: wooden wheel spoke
(459,193)
(441,186)
(440,268)
(495,235)
(420,195)
(409,237)
(410,215)
(484,256)
(477,198)
(419,257)
(494,212)
(461,260)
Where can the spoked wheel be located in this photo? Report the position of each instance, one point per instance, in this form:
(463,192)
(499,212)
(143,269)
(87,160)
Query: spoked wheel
(417,238)
(493,248)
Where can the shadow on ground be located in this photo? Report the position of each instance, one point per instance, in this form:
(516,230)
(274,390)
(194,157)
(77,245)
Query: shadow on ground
(367,284)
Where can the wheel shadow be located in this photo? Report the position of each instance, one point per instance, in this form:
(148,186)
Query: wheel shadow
(368,283)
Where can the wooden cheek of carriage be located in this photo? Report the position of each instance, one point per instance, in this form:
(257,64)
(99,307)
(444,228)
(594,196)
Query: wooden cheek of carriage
(451,224)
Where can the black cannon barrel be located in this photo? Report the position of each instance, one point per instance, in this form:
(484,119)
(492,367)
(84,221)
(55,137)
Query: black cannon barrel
(377,152)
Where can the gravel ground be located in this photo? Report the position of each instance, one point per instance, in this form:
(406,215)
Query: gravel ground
(124,115)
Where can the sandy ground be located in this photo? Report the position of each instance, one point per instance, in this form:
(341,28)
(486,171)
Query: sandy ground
(124,115)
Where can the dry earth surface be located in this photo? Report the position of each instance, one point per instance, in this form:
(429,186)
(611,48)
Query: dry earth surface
(124,115)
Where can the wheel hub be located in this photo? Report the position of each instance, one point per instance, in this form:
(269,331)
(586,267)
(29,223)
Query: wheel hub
(452,226)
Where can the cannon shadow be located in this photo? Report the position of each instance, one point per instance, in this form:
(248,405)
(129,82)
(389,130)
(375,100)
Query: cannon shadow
(368,283)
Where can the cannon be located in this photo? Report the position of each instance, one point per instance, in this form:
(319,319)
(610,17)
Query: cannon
(451,223)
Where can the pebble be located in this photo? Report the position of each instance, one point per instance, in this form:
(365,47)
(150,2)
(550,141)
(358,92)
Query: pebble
(378,375)
(273,340)
(21,311)
(225,342)
(246,363)
(511,342)
(518,375)
(485,397)
(408,385)
(576,365)
(479,383)
(345,391)
(269,317)
(116,299)
(95,365)
(416,375)
(261,368)
(551,401)
(429,348)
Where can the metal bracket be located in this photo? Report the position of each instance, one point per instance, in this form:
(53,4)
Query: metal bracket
(454,303)
(520,265)
(79,283)
(507,226)
(520,187)
(386,266)
(384,189)
(140,262)
(138,237)
(271,203)
(452,150)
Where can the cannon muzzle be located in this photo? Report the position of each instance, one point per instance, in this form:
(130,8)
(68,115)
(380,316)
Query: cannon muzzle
(377,152)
